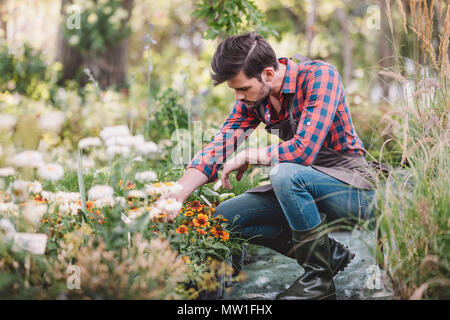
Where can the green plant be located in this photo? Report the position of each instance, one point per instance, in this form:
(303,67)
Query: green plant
(231,17)
(101,26)
(172,115)
(24,72)
(413,203)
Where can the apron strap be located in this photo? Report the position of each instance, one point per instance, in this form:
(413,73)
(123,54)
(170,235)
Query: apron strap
(290,106)
(300,58)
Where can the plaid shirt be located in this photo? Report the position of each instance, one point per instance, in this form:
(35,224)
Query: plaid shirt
(319,106)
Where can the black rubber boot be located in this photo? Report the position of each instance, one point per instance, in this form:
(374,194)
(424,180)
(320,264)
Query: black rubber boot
(312,251)
(340,254)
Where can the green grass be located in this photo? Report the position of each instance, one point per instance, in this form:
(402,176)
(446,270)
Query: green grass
(413,204)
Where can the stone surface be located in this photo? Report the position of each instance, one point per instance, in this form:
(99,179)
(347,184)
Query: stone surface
(272,272)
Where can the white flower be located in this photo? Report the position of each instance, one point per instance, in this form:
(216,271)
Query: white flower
(7,121)
(19,190)
(51,171)
(114,150)
(52,121)
(74,40)
(6,229)
(28,158)
(146,176)
(163,188)
(61,197)
(7,171)
(146,147)
(137,194)
(137,159)
(70,208)
(114,131)
(138,139)
(107,10)
(88,163)
(134,214)
(173,187)
(33,212)
(92,18)
(121,201)
(100,191)
(154,212)
(8,208)
(35,187)
(169,205)
(89,142)
(110,202)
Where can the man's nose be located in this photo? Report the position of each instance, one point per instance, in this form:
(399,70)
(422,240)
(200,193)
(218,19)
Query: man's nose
(239,96)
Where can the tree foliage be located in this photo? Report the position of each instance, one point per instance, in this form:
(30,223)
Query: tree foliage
(232,17)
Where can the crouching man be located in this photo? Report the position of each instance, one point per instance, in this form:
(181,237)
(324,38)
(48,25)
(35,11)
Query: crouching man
(320,171)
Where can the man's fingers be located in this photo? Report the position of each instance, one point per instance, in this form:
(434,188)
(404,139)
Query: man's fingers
(225,180)
(241,172)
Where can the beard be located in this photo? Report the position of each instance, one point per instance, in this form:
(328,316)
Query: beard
(263,95)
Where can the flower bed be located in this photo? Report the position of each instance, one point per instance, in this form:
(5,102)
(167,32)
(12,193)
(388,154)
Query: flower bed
(115,222)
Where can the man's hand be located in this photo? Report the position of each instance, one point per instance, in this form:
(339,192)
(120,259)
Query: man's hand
(191,180)
(240,164)
(236,163)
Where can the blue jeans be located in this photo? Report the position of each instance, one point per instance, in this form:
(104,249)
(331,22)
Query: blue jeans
(299,194)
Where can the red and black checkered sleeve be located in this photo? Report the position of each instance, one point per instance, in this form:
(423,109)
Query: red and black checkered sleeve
(239,124)
(322,90)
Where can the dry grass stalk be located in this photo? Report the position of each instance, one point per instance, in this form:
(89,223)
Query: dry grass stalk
(418,293)
(404,19)
(394,75)
(443,46)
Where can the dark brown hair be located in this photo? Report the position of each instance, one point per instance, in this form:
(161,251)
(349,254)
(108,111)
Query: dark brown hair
(249,52)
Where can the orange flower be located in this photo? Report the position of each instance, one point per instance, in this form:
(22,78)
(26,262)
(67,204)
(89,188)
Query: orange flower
(201,231)
(182,229)
(195,205)
(189,213)
(202,221)
(220,218)
(218,232)
(38,199)
(130,186)
(89,205)
(225,235)
(186,259)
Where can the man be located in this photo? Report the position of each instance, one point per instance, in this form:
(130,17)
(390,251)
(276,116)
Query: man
(320,172)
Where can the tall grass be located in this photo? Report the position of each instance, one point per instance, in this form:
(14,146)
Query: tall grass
(413,201)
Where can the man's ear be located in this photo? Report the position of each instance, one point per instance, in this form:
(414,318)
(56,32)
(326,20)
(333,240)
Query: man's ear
(268,74)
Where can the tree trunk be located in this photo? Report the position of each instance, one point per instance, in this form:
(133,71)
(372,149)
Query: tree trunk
(310,26)
(347,49)
(109,69)
(70,57)
(385,52)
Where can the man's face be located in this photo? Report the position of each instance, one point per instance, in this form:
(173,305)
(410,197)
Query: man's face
(252,92)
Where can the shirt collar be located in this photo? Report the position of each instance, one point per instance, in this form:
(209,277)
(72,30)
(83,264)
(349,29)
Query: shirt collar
(290,79)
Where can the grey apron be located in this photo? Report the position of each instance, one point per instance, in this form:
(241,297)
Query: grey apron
(349,168)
